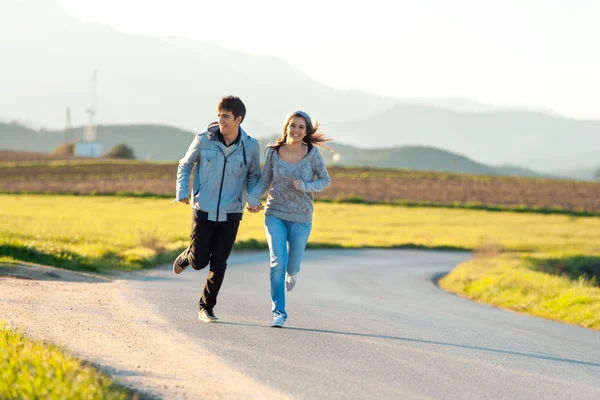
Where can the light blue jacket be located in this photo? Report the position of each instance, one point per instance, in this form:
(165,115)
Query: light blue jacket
(221,184)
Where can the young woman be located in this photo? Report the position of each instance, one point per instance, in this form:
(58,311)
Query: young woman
(294,169)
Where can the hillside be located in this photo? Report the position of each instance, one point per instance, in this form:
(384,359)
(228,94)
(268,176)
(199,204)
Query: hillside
(531,139)
(164,143)
(420,158)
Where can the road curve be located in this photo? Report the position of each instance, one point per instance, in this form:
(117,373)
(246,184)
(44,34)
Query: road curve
(372,324)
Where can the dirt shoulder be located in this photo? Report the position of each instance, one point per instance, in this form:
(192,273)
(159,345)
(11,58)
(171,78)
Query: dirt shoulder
(98,320)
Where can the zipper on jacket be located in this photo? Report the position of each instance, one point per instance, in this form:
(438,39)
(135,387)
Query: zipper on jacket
(223,178)
(221,188)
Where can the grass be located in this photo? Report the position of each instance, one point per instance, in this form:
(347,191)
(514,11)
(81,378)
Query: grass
(349,200)
(466,206)
(103,233)
(34,370)
(512,282)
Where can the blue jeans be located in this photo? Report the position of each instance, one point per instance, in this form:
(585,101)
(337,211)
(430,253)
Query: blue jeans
(287,241)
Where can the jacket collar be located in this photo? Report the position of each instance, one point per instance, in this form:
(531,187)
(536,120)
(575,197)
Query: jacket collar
(213,130)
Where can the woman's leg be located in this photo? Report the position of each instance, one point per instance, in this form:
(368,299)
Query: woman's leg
(298,233)
(277,239)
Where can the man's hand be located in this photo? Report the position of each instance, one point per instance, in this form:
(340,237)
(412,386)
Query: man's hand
(184,201)
(297,184)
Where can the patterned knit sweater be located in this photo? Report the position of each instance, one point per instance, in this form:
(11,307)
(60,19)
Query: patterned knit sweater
(284,200)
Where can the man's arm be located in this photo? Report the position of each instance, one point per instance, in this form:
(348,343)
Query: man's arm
(264,183)
(184,170)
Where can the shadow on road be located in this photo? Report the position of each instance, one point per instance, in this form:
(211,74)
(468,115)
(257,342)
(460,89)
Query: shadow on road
(405,339)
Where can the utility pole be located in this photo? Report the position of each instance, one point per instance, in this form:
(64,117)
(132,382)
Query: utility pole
(90,131)
(68,129)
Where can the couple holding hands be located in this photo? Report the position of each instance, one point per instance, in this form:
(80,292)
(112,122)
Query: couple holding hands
(226,166)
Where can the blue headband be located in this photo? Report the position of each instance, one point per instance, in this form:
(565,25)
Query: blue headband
(302,114)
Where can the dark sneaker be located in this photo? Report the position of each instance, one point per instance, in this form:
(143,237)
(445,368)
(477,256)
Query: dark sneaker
(207,315)
(181,262)
(290,281)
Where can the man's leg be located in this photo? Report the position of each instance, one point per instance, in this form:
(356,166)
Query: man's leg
(201,236)
(198,252)
(223,238)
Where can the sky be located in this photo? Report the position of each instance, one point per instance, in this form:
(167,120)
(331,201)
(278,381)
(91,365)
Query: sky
(534,53)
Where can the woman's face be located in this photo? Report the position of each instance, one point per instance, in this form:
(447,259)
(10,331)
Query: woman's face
(296,130)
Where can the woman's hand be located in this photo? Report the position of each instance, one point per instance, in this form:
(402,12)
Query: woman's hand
(298,184)
(255,209)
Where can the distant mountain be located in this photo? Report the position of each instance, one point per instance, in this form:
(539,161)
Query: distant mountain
(462,104)
(494,136)
(515,170)
(583,160)
(414,158)
(155,142)
(582,174)
(48,58)
(459,104)
(165,143)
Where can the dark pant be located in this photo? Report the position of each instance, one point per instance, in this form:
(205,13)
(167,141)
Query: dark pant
(211,242)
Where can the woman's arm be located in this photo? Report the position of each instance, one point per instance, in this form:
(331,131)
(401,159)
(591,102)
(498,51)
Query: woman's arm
(320,170)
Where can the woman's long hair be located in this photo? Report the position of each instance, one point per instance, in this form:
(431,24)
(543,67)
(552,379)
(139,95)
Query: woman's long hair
(314,136)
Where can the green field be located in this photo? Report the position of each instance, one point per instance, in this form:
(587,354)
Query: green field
(34,370)
(103,233)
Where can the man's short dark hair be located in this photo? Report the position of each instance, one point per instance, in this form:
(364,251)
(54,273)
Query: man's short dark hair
(234,105)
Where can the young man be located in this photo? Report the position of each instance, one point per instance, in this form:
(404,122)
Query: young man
(226,164)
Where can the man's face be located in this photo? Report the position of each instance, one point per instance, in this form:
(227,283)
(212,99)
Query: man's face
(227,123)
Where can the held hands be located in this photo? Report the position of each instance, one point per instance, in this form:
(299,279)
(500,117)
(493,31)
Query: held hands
(256,208)
(297,183)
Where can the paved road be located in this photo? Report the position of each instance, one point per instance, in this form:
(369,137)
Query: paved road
(372,324)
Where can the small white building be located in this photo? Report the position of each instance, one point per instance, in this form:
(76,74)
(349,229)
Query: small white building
(88,149)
